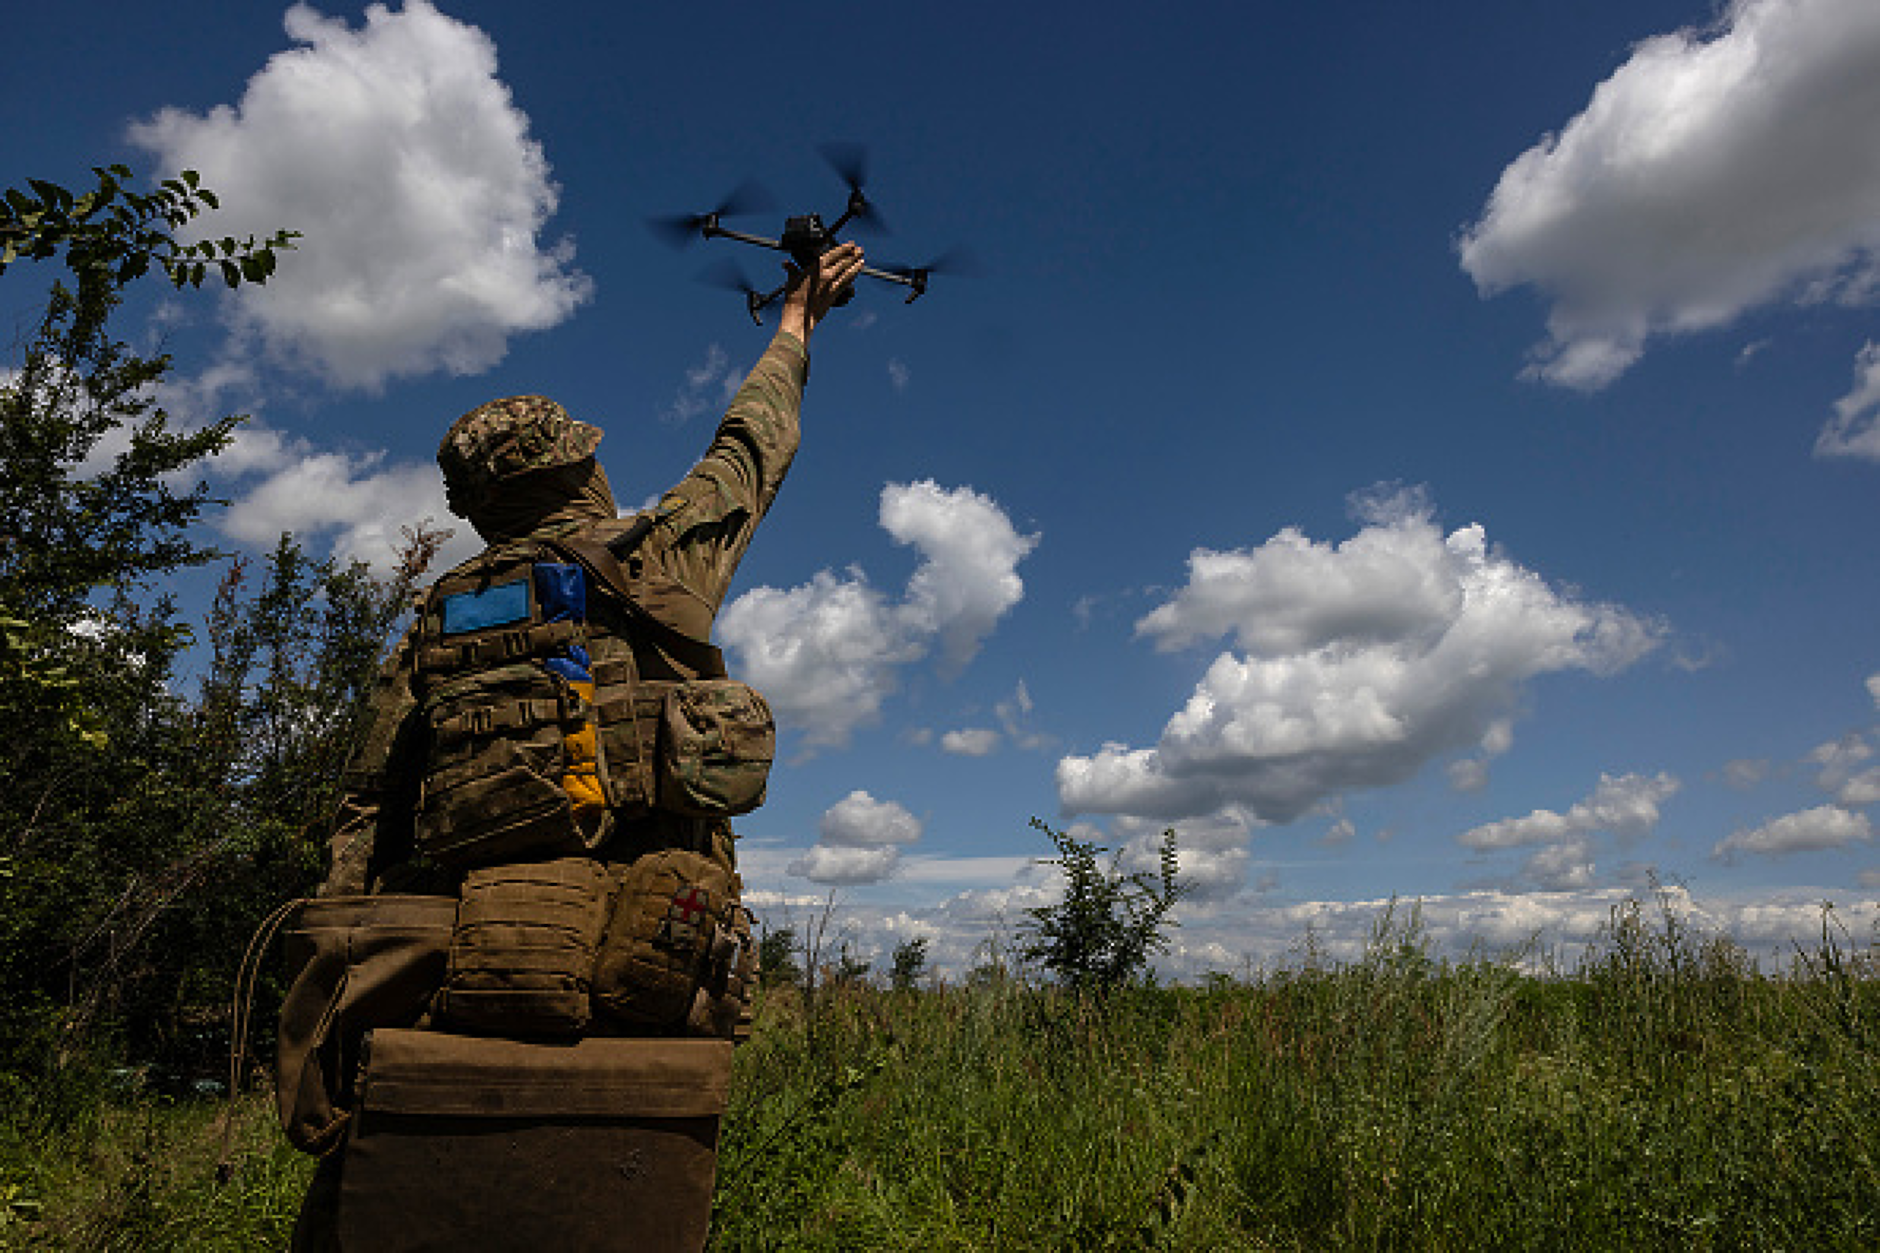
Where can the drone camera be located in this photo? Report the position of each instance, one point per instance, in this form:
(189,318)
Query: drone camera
(805,238)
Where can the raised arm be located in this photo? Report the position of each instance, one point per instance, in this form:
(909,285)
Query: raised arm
(704,524)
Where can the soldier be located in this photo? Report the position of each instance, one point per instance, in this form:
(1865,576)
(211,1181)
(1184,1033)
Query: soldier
(522,467)
(524,474)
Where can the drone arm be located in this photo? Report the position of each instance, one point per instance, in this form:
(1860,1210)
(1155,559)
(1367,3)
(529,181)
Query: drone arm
(711,230)
(757,302)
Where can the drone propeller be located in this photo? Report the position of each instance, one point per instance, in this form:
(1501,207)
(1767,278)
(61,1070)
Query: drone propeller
(850,162)
(678,230)
(952,261)
(729,275)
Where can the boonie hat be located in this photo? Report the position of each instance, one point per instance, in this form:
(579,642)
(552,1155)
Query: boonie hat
(504,438)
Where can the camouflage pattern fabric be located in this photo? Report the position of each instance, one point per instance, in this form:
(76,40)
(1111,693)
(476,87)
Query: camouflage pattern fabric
(504,438)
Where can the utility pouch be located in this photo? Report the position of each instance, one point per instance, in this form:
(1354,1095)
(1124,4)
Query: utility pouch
(523,949)
(355,963)
(717,741)
(677,955)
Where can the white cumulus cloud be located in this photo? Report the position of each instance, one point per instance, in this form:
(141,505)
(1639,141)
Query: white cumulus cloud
(400,155)
(1845,773)
(970,742)
(1626,805)
(1854,430)
(828,652)
(1715,171)
(858,820)
(839,866)
(861,842)
(361,503)
(1812,830)
(968,576)
(1335,689)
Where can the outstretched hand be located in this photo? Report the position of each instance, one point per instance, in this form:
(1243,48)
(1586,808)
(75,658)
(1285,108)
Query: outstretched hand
(813,292)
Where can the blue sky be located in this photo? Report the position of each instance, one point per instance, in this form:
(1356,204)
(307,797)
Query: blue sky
(1410,450)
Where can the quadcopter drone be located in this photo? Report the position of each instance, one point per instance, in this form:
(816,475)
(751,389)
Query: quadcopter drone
(804,238)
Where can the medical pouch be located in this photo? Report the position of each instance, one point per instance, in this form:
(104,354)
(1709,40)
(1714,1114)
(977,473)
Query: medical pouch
(677,956)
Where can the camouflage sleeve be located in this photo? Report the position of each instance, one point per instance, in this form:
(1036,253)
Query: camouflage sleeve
(704,524)
(373,826)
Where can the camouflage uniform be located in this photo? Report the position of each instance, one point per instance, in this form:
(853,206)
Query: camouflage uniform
(700,532)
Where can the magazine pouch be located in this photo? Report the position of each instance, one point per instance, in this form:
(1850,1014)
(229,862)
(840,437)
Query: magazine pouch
(522,952)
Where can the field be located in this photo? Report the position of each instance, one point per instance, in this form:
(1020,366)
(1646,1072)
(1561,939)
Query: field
(1662,1092)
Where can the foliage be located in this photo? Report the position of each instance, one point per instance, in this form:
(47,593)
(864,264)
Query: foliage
(76,514)
(908,964)
(776,958)
(142,866)
(144,830)
(1100,936)
(112,235)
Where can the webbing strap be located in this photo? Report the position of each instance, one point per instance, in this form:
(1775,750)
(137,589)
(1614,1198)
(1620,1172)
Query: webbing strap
(698,655)
(501,646)
(512,715)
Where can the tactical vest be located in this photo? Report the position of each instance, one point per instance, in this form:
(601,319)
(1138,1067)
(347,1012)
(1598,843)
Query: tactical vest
(558,698)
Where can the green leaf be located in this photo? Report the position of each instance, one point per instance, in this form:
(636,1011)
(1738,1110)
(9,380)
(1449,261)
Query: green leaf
(51,193)
(231,273)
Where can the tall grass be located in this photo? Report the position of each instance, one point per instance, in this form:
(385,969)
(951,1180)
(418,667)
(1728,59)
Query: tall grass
(1662,1092)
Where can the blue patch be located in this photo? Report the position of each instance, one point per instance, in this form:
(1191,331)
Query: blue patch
(492,607)
(572,667)
(561,591)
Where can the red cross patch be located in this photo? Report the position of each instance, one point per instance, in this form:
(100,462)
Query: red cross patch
(689,904)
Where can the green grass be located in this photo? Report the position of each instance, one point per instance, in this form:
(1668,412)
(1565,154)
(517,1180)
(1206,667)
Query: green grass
(1662,1093)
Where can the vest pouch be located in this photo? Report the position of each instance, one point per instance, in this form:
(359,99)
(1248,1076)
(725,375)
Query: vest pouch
(495,787)
(523,950)
(717,740)
(677,955)
(630,713)
(354,963)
